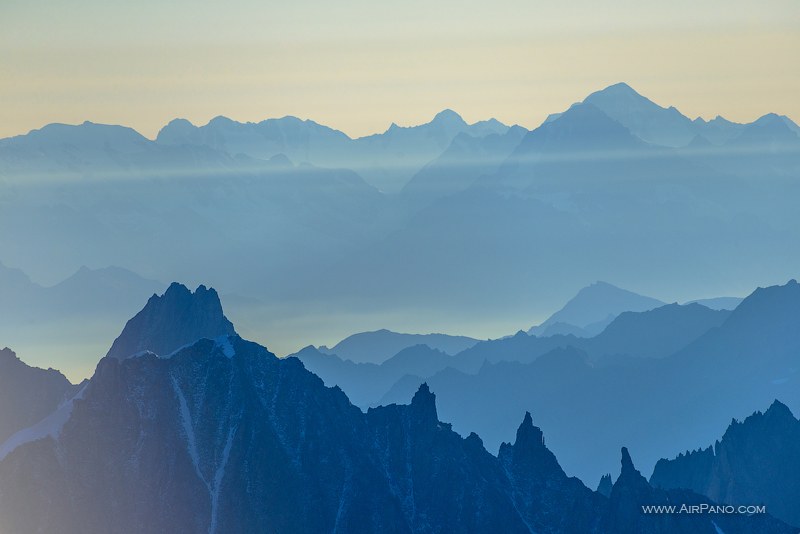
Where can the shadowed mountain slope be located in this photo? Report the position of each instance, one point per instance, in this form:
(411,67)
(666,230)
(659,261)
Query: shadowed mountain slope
(755,462)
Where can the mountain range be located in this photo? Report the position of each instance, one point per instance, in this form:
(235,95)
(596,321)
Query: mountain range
(386,160)
(678,396)
(219,435)
(523,218)
(385,366)
(592,309)
(377,347)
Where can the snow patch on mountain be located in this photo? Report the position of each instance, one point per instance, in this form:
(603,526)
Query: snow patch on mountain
(50,426)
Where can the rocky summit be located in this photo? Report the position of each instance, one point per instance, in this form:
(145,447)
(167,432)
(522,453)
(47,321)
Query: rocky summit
(176,318)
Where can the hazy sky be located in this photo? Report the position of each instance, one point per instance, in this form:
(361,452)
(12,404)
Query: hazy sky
(359,65)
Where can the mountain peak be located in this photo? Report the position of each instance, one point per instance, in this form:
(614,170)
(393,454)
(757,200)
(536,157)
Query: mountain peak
(767,130)
(529,435)
(423,395)
(627,463)
(221,120)
(447,116)
(605,485)
(178,131)
(779,410)
(773,118)
(618,94)
(620,88)
(643,117)
(424,404)
(598,303)
(181,122)
(170,321)
(583,128)
(8,355)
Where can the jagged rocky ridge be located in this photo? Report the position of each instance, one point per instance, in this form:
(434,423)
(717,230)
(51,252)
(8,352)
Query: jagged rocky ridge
(176,318)
(757,461)
(222,436)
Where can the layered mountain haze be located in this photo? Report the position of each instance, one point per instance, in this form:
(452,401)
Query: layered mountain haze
(358,249)
(465,160)
(493,223)
(67,324)
(366,384)
(592,309)
(377,347)
(86,292)
(222,436)
(630,337)
(59,152)
(386,160)
(620,387)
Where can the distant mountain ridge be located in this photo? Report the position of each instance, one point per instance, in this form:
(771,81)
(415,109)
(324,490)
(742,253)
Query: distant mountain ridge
(380,345)
(718,303)
(386,160)
(746,358)
(629,338)
(644,118)
(365,384)
(461,164)
(593,308)
(667,126)
(67,324)
(103,151)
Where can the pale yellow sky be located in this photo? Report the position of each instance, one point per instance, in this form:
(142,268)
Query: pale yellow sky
(358,65)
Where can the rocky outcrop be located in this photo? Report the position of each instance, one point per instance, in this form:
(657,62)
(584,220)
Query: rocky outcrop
(756,462)
(173,320)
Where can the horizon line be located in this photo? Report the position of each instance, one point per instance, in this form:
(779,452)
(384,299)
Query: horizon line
(393,124)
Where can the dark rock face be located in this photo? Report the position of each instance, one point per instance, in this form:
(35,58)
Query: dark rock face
(199,442)
(28,394)
(224,437)
(541,491)
(442,482)
(170,321)
(605,485)
(631,493)
(690,470)
(756,462)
